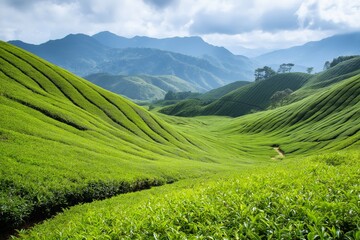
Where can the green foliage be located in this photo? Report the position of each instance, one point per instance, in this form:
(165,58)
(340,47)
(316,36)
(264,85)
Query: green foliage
(285,68)
(263,73)
(279,97)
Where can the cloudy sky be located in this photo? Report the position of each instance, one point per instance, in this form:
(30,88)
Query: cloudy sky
(269,24)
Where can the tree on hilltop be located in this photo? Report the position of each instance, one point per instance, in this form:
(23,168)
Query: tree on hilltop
(263,73)
(285,67)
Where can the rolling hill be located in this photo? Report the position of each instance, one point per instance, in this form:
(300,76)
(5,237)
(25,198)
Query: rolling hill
(315,54)
(329,119)
(65,141)
(141,87)
(221,91)
(251,97)
(325,79)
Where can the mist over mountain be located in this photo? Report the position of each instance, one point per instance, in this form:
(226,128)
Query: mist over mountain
(316,53)
(197,62)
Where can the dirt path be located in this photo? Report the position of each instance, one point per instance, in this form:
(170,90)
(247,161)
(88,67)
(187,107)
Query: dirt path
(279,152)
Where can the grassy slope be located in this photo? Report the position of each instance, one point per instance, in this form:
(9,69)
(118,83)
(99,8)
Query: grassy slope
(329,120)
(141,87)
(325,79)
(64,140)
(254,96)
(72,135)
(221,91)
(296,198)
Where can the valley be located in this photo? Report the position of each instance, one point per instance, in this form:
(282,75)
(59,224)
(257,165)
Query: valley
(118,171)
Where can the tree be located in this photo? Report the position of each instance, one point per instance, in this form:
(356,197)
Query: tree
(268,72)
(340,59)
(326,65)
(263,73)
(285,67)
(259,74)
(279,97)
(309,70)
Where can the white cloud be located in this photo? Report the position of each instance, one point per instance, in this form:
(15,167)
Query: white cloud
(267,40)
(330,14)
(230,23)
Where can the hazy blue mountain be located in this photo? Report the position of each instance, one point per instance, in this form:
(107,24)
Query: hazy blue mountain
(141,87)
(315,54)
(77,53)
(192,46)
(200,72)
(84,55)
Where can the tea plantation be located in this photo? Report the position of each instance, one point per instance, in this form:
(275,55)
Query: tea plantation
(67,142)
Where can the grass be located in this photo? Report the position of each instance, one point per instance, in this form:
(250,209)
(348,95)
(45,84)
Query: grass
(313,198)
(66,142)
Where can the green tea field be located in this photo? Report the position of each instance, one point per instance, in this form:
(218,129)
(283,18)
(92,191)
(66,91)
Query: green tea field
(80,162)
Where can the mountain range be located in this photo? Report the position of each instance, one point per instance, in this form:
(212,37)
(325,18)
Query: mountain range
(314,54)
(203,65)
(198,65)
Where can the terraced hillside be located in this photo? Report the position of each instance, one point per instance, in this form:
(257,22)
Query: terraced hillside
(338,73)
(64,140)
(252,97)
(296,198)
(221,91)
(329,120)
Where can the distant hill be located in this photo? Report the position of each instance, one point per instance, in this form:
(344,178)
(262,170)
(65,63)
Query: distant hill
(315,54)
(192,46)
(221,91)
(85,55)
(77,53)
(141,87)
(257,96)
(251,97)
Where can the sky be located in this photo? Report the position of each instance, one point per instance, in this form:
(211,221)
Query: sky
(234,24)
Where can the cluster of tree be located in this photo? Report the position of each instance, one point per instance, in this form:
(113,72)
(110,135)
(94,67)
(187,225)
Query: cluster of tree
(280,97)
(266,72)
(338,60)
(285,67)
(170,95)
(263,73)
